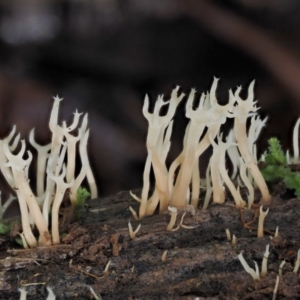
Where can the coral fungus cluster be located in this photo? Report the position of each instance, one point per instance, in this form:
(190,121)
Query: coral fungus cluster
(179,185)
(55,175)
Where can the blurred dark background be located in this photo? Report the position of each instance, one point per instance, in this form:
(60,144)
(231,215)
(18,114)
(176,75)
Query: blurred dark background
(103,56)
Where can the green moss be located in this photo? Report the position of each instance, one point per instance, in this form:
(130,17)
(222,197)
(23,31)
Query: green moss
(82,195)
(275,155)
(277,168)
(5,228)
(292,181)
(19,241)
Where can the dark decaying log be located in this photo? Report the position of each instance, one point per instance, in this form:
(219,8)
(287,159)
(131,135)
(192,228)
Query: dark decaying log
(200,262)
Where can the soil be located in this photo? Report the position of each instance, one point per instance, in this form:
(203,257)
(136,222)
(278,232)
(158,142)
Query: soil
(200,263)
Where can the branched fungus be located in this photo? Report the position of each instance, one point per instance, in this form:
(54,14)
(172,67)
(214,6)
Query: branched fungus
(179,186)
(158,146)
(242,111)
(26,196)
(35,210)
(254,274)
(131,232)
(219,152)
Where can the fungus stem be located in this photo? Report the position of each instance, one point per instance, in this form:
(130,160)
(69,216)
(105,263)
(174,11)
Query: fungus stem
(234,240)
(241,112)
(276,232)
(43,154)
(296,142)
(228,235)
(171,224)
(264,263)
(275,288)
(281,267)
(164,256)
(262,215)
(61,187)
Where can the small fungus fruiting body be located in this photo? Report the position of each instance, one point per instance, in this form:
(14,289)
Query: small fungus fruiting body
(262,215)
(276,288)
(132,233)
(96,297)
(164,256)
(107,267)
(263,272)
(281,267)
(228,235)
(276,232)
(234,240)
(253,273)
(297,262)
(23,296)
(183,225)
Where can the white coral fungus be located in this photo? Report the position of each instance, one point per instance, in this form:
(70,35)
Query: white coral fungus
(179,185)
(55,175)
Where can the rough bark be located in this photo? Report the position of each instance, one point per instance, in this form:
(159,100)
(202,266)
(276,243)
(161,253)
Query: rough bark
(200,262)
